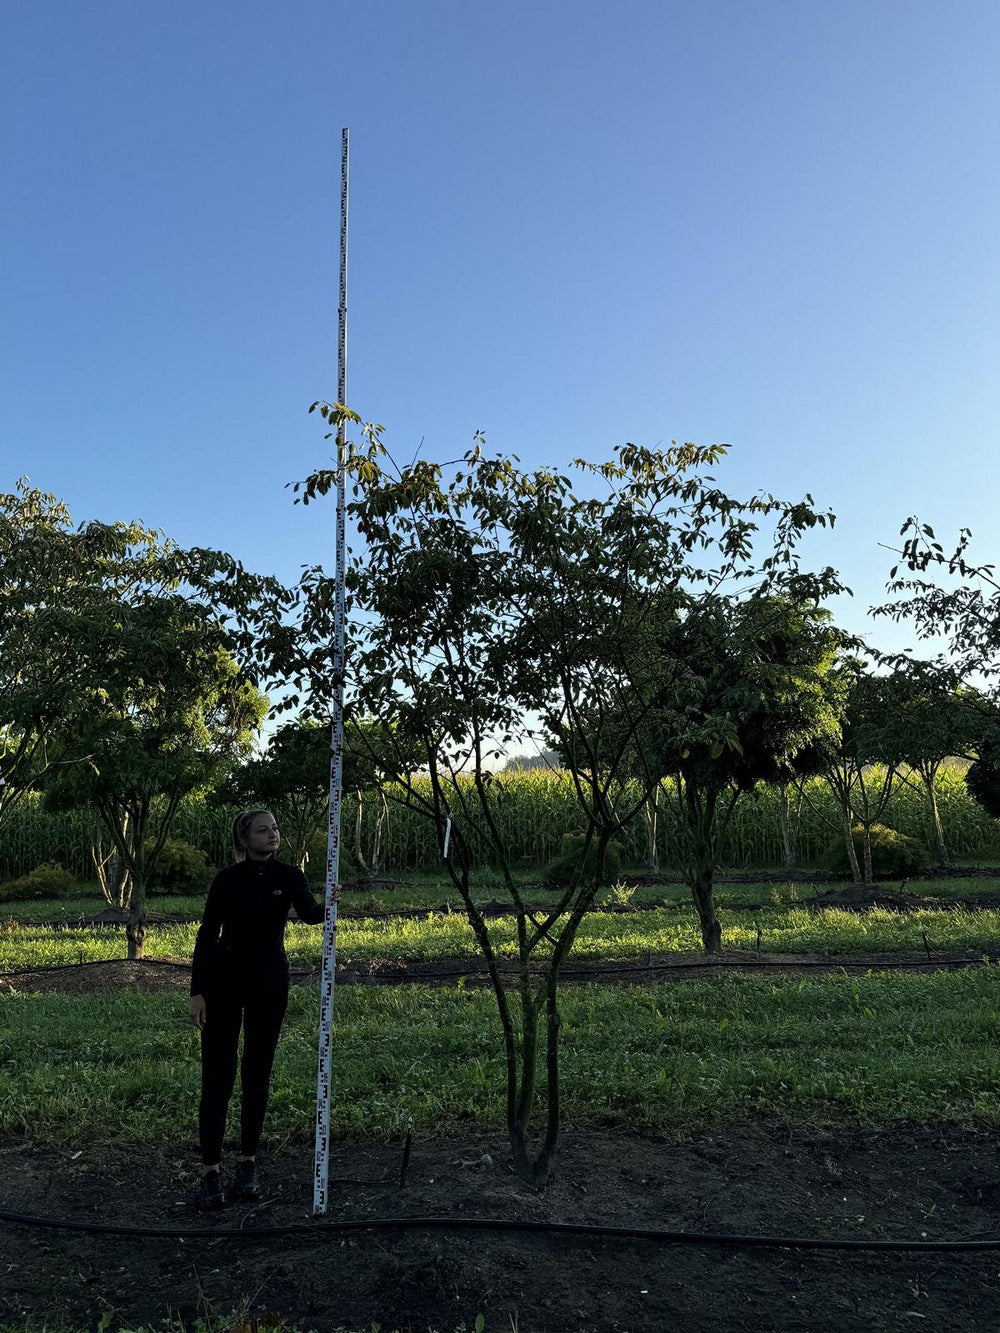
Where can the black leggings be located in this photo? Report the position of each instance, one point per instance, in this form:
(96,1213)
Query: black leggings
(261,1013)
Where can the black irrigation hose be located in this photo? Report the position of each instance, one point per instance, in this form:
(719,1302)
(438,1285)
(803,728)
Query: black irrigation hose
(502,1224)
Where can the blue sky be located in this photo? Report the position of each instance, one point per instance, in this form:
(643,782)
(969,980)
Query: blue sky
(572,224)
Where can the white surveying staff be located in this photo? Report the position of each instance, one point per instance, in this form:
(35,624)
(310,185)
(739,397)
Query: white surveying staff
(321,1175)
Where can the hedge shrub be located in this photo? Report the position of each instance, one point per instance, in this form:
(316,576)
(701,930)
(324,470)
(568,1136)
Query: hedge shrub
(567,866)
(180,869)
(45,881)
(894,855)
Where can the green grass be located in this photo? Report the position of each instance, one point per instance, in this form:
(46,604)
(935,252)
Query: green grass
(415,892)
(603,936)
(122,1068)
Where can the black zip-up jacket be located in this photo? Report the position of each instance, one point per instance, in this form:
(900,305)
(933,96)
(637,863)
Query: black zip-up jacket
(241,940)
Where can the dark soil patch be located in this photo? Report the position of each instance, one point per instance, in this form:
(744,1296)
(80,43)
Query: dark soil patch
(855,899)
(147,974)
(844,1181)
(174,974)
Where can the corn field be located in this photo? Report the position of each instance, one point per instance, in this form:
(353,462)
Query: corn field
(534,808)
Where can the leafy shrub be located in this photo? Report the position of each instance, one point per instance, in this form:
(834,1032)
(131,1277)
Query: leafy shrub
(45,881)
(894,855)
(619,895)
(180,868)
(567,866)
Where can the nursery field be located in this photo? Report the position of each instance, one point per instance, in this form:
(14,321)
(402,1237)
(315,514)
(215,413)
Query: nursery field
(833,1074)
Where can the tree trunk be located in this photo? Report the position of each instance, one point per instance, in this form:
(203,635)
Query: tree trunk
(520,1152)
(940,848)
(852,855)
(866,850)
(649,815)
(380,825)
(787,836)
(518,1126)
(359,855)
(703,889)
(701,865)
(135,929)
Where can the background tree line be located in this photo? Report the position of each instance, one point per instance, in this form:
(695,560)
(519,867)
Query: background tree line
(658,634)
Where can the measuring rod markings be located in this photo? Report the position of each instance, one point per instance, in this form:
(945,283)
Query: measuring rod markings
(321,1173)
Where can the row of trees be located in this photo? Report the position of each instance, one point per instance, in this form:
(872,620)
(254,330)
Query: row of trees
(643,625)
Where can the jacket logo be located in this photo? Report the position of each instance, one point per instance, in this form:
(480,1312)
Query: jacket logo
(275,893)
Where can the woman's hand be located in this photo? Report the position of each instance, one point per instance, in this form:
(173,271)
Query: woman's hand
(198,1011)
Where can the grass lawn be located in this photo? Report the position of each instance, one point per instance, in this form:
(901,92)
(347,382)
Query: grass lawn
(421,892)
(122,1068)
(603,936)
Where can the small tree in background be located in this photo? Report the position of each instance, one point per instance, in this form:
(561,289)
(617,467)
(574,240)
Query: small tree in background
(168,712)
(755,670)
(291,778)
(56,585)
(924,718)
(860,758)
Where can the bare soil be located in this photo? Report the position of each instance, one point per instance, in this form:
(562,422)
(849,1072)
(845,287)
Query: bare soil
(752,1177)
(173,974)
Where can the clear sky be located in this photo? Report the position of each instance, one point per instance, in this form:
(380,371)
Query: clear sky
(572,224)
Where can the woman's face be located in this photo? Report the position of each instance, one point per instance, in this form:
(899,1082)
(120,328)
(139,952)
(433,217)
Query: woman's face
(263,837)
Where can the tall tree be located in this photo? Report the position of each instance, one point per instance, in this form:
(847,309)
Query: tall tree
(62,591)
(487,597)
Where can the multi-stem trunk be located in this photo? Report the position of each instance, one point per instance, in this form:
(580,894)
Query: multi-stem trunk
(113,878)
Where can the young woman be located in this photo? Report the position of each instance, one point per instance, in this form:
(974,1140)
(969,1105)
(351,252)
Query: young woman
(239,977)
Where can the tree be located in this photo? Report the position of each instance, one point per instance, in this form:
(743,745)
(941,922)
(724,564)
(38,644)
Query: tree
(860,757)
(755,669)
(966,615)
(57,583)
(292,779)
(170,709)
(923,720)
(62,590)
(486,597)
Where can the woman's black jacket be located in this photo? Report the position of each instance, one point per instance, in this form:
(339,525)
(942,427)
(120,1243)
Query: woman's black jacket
(240,942)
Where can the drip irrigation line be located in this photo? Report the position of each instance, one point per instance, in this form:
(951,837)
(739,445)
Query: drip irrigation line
(591,1230)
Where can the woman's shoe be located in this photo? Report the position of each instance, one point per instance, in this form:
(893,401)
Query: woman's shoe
(210,1192)
(244,1184)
